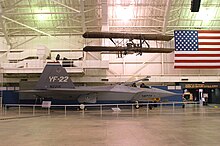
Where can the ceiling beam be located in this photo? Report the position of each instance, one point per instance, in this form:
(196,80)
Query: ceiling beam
(4,28)
(68,7)
(32,28)
(124,26)
(59,27)
(53,35)
(37,13)
(105,12)
(168,26)
(194,27)
(12,6)
(166,16)
(83,19)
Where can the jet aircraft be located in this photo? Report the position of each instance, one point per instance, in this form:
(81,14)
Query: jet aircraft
(55,83)
(131,46)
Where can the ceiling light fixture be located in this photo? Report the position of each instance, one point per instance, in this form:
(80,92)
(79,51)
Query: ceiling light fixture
(124,13)
(43,14)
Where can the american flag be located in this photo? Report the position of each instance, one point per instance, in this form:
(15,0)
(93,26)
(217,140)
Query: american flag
(197,49)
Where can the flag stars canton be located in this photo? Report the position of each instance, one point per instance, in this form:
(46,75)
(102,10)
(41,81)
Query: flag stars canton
(186,40)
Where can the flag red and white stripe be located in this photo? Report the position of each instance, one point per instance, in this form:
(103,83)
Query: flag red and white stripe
(207,56)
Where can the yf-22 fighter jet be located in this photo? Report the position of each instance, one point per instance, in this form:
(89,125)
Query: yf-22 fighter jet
(55,83)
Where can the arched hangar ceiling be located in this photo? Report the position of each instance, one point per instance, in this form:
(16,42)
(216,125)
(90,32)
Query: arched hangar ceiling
(70,17)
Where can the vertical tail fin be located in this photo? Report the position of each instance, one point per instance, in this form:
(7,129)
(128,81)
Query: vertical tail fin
(54,76)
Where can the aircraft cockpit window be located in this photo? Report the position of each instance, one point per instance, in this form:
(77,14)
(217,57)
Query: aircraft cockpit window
(134,85)
(58,57)
(144,86)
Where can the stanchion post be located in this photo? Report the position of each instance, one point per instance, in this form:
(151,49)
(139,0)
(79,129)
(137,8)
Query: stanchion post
(33,110)
(1,101)
(2,110)
(101,109)
(19,109)
(48,111)
(132,108)
(65,109)
(5,111)
(173,106)
(147,107)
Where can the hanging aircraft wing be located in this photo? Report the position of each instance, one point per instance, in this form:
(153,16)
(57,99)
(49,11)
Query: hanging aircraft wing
(159,37)
(132,49)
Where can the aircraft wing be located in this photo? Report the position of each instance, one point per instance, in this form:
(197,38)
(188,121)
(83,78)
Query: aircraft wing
(63,90)
(58,93)
(89,90)
(80,90)
(159,37)
(132,49)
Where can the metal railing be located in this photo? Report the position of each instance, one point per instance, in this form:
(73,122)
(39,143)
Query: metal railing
(100,106)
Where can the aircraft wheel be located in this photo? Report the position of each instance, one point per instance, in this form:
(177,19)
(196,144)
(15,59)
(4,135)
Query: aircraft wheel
(137,106)
(183,106)
(150,107)
(82,107)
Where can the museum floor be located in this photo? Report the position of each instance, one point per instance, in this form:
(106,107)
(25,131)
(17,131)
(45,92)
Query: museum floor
(167,127)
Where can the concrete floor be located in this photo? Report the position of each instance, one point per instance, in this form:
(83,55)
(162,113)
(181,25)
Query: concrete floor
(182,127)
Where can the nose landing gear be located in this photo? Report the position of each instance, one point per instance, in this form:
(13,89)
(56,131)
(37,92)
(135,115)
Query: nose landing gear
(137,106)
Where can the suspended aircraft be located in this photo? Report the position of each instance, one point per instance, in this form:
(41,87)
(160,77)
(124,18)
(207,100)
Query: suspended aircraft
(130,43)
(54,83)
